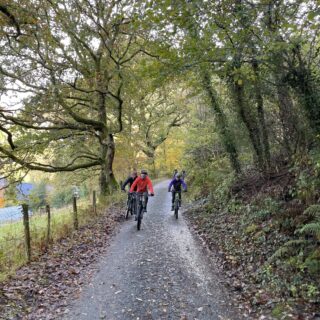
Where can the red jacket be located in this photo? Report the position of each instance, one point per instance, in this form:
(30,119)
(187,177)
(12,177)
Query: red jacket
(142,185)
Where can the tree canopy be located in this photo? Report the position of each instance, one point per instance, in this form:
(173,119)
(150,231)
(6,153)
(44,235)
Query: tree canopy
(82,78)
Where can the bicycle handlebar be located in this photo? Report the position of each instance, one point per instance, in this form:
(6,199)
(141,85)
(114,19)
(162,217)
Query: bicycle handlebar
(142,193)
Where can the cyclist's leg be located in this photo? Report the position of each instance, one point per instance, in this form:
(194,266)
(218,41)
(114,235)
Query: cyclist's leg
(133,200)
(145,202)
(173,198)
(179,198)
(132,203)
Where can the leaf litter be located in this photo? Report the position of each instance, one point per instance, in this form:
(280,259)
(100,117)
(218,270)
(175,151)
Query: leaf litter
(41,289)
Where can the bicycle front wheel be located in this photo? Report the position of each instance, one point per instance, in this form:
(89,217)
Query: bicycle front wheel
(176,208)
(139,218)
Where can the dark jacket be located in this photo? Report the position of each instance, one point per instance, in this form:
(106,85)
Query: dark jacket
(174,174)
(129,181)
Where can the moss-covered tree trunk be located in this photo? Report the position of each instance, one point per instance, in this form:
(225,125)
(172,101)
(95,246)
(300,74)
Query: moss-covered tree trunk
(111,180)
(250,122)
(261,117)
(288,119)
(308,89)
(221,123)
(107,146)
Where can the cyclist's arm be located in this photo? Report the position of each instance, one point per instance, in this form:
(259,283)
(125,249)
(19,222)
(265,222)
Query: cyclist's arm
(125,183)
(184,185)
(150,186)
(170,185)
(134,185)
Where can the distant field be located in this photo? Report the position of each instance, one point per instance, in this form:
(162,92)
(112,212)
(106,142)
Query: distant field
(10,214)
(12,245)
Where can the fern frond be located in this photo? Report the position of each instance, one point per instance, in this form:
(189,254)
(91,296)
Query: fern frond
(296,243)
(313,212)
(289,248)
(281,252)
(311,229)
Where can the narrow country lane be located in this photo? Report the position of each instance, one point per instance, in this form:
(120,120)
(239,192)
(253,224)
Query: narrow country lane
(160,272)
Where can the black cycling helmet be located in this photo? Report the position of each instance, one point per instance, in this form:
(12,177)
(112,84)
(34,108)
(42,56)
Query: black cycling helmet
(178,175)
(143,171)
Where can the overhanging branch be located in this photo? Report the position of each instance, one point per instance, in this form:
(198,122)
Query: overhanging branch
(48,168)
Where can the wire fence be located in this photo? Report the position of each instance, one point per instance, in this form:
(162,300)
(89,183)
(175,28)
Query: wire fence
(25,235)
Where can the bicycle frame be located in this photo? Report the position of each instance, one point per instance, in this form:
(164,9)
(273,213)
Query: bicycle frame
(131,205)
(139,201)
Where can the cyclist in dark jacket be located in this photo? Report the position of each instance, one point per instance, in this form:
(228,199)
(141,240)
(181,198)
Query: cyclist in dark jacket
(130,181)
(175,171)
(175,187)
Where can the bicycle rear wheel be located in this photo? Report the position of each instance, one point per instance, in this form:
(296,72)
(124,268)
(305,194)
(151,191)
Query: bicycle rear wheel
(127,213)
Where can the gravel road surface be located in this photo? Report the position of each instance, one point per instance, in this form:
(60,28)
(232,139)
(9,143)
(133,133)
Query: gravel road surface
(159,272)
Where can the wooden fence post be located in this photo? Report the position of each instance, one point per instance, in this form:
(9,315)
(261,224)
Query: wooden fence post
(25,212)
(49,224)
(75,214)
(94,202)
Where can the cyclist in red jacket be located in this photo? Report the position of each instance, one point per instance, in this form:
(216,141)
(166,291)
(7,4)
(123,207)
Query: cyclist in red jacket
(142,184)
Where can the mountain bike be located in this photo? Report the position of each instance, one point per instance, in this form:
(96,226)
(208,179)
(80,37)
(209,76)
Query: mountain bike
(131,205)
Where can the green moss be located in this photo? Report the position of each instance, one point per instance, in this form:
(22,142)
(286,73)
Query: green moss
(278,311)
(251,228)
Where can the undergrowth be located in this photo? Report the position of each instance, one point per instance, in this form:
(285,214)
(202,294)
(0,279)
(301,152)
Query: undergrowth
(269,232)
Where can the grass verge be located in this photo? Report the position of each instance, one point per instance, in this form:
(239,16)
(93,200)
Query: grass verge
(12,239)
